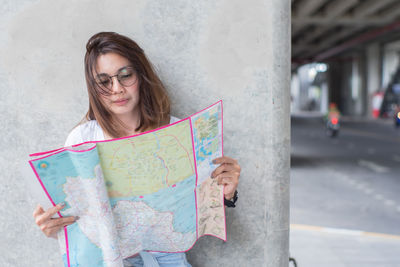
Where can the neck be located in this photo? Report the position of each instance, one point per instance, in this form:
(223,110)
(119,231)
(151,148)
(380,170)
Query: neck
(131,121)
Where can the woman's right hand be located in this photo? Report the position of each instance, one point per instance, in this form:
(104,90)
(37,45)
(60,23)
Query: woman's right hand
(50,226)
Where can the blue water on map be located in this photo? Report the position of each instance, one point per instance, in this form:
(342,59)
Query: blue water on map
(202,146)
(91,255)
(166,200)
(53,171)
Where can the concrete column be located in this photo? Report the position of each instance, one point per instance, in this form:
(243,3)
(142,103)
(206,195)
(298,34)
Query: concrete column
(295,93)
(304,86)
(390,62)
(238,51)
(335,84)
(374,73)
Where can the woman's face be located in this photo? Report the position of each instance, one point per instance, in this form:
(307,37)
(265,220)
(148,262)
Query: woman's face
(123,98)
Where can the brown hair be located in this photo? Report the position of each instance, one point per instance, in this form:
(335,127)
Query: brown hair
(154,104)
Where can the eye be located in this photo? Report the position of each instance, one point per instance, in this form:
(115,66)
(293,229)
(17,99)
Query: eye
(104,82)
(125,74)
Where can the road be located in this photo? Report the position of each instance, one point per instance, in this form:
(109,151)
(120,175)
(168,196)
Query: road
(345,193)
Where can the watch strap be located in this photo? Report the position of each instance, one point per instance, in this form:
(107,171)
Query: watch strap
(231,203)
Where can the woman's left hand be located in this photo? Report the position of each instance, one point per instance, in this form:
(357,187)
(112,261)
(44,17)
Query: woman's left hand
(227,173)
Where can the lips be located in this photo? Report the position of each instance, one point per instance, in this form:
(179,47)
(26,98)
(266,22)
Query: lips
(120,102)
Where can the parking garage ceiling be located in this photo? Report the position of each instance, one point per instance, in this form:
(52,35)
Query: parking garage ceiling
(322,29)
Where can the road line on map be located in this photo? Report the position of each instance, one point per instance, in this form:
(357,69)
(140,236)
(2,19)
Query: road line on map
(341,231)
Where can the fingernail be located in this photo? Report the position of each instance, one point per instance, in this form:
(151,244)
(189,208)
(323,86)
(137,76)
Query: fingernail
(77,218)
(62,204)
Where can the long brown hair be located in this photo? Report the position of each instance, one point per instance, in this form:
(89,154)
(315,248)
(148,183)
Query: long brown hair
(154,104)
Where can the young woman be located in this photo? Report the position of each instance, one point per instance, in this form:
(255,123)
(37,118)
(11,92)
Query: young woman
(126,97)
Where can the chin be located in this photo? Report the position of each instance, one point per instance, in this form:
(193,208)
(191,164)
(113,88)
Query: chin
(124,110)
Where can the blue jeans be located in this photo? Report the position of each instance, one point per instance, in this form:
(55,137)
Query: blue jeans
(157,259)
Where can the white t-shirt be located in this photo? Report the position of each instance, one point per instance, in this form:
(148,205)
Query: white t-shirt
(91,131)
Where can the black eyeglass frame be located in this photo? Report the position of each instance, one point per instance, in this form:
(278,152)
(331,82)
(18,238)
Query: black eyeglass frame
(106,90)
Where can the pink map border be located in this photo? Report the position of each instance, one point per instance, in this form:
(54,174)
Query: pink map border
(59,150)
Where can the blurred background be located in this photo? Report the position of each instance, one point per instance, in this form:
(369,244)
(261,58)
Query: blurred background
(345,130)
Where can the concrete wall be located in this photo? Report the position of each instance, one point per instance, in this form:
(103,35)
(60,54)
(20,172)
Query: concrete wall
(204,51)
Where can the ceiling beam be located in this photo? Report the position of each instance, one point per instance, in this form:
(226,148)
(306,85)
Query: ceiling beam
(338,7)
(391,13)
(307,7)
(314,34)
(296,29)
(334,9)
(327,42)
(369,7)
(358,40)
(309,36)
(322,20)
(304,8)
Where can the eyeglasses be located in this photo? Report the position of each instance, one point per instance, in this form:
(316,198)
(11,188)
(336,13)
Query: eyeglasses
(126,76)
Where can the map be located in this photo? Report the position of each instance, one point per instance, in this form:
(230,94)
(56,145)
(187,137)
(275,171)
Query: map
(151,191)
(207,134)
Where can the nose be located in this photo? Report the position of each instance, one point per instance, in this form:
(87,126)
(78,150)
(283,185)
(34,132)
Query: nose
(116,87)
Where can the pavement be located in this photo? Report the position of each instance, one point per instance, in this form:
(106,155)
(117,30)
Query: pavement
(314,246)
(345,205)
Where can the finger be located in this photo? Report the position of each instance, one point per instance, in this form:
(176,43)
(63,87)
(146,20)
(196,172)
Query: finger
(229,192)
(42,218)
(230,189)
(53,225)
(38,211)
(52,231)
(56,223)
(53,210)
(223,168)
(224,159)
(227,177)
(224,181)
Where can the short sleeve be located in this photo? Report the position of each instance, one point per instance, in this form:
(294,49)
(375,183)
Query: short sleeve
(74,137)
(173,119)
(88,131)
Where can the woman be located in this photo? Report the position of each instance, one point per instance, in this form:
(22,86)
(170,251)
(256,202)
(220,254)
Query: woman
(126,97)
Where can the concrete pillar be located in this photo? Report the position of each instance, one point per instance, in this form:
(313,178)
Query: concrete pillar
(238,51)
(304,87)
(374,73)
(295,93)
(358,85)
(335,83)
(390,63)
(324,98)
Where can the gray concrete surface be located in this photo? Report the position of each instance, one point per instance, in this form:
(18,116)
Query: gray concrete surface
(313,248)
(204,51)
(345,203)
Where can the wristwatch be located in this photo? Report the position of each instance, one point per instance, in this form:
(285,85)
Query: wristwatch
(231,203)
